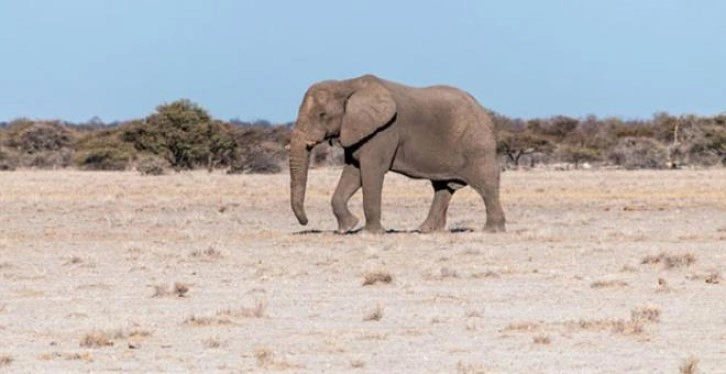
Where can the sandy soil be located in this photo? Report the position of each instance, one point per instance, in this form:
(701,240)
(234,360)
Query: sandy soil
(600,271)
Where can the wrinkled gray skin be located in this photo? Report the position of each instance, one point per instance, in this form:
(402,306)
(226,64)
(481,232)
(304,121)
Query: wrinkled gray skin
(438,133)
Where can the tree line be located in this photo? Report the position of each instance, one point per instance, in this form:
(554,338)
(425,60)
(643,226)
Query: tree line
(182,135)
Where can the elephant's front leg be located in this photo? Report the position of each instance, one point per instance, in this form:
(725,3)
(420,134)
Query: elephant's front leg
(372,174)
(436,220)
(348,184)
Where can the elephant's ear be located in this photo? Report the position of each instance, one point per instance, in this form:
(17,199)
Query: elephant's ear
(367,110)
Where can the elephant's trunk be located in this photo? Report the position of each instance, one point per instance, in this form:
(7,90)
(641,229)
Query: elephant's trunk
(299,162)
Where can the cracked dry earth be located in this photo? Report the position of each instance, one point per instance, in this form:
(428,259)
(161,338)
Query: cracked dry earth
(599,271)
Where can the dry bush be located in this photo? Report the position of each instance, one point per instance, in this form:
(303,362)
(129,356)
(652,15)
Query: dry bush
(376,314)
(152,165)
(670,261)
(357,364)
(37,137)
(8,161)
(257,162)
(689,366)
(5,360)
(377,276)
(639,153)
(38,144)
(541,339)
(96,339)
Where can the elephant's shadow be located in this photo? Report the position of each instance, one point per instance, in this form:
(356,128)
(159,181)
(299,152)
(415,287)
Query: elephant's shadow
(455,230)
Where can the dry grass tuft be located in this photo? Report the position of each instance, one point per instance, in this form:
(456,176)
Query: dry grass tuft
(212,343)
(670,261)
(663,286)
(264,356)
(376,314)
(139,333)
(5,360)
(689,366)
(447,272)
(486,274)
(357,364)
(713,278)
(628,269)
(462,368)
(201,321)
(74,260)
(639,317)
(257,311)
(74,356)
(179,289)
(646,313)
(609,284)
(378,276)
(541,339)
(96,339)
(210,253)
(522,326)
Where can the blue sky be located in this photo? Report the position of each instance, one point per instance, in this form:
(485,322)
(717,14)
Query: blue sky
(75,59)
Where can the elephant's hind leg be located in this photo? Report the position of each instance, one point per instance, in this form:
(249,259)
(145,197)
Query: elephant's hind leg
(436,220)
(487,185)
(348,185)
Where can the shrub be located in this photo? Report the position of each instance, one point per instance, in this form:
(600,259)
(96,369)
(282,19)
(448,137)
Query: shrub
(104,150)
(185,135)
(257,161)
(515,144)
(152,165)
(638,153)
(35,137)
(7,162)
(577,155)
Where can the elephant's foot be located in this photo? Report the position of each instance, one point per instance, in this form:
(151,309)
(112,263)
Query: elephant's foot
(429,227)
(347,225)
(494,227)
(374,229)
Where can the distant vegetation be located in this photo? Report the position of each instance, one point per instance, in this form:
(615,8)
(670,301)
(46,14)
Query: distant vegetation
(182,136)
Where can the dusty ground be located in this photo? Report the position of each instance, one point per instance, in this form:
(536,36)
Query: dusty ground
(600,271)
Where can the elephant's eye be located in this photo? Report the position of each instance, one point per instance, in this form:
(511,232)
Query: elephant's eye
(322,115)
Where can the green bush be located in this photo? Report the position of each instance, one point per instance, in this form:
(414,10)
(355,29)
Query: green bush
(104,150)
(185,135)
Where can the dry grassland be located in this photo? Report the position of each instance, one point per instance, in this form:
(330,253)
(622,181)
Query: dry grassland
(599,271)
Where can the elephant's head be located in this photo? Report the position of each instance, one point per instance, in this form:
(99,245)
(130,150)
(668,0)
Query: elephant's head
(349,110)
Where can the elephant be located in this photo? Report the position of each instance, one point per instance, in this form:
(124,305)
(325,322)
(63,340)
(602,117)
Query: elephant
(440,133)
